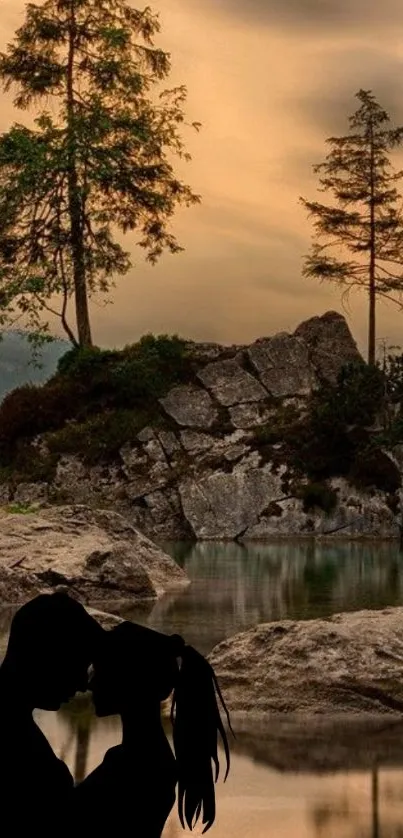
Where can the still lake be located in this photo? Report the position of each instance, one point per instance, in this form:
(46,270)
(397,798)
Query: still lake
(233,588)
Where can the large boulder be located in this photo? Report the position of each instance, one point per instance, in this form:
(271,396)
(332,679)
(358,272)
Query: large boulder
(347,664)
(96,555)
(282,364)
(330,343)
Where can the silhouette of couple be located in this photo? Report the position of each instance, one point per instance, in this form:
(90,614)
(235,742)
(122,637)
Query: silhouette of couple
(53,642)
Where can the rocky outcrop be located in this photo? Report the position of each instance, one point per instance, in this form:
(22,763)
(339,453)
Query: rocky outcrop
(202,471)
(95,555)
(329,343)
(346,664)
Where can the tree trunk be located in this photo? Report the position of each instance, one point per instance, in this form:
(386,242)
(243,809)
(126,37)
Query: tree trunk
(372,253)
(82,748)
(371,323)
(75,208)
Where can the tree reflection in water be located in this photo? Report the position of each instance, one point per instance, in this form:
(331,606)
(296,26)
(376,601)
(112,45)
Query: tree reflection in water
(342,817)
(79,714)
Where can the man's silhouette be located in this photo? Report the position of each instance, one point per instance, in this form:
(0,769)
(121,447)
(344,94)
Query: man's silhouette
(51,645)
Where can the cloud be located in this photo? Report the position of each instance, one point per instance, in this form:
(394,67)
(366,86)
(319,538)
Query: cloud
(328,106)
(315,15)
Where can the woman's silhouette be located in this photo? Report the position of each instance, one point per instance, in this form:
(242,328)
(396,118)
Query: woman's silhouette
(135,670)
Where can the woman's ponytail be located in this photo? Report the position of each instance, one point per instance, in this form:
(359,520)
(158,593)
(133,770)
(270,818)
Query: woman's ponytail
(196,723)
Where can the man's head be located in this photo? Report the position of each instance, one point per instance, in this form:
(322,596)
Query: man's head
(51,645)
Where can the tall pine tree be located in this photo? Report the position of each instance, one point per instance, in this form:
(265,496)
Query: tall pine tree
(99,159)
(359,238)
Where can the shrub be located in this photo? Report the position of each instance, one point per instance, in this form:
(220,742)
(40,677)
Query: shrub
(32,410)
(318,496)
(281,425)
(99,438)
(89,383)
(31,465)
(85,362)
(137,375)
(150,368)
(355,399)
(372,468)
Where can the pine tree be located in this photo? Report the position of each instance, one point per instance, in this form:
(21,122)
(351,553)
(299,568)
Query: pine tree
(359,239)
(99,158)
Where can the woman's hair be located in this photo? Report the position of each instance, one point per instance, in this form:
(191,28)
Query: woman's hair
(168,666)
(196,722)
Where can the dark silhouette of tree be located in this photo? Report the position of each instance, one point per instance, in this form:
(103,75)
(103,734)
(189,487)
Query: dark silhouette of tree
(359,239)
(99,157)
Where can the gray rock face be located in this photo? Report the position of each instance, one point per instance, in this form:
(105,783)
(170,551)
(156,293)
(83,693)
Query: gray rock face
(204,353)
(30,493)
(224,505)
(77,483)
(194,441)
(231,384)
(330,342)
(283,365)
(94,554)
(357,515)
(164,515)
(190,406)
(169,442)
(348,663)
(251,415)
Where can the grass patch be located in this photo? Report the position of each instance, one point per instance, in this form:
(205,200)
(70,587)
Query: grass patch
(20,508)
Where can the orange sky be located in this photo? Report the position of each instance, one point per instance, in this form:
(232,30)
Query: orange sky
(269,80)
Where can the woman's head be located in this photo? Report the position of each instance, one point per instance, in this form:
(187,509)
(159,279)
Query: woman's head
(134,666)
(137,667)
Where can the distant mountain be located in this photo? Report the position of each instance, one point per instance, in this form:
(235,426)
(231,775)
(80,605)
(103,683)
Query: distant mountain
(16,366)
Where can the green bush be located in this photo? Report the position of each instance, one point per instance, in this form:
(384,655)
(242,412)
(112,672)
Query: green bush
(355,399)
(149,369)
(337,427)
(83,363)
(281,425)
(372,468)
(89,384)
(32,410)
(318,496)
(136,375)
(99,438)
(30,464)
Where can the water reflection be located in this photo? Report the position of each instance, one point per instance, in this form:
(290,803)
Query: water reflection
(235,586)
(278,786)
(258,801)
